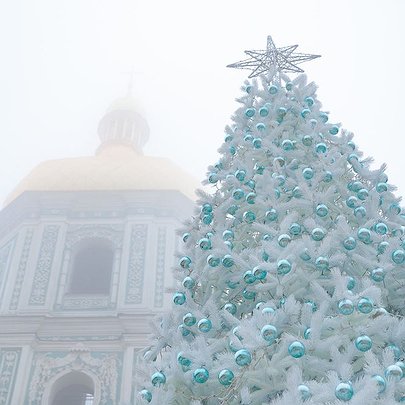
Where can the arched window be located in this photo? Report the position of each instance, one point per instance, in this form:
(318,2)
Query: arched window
(92,267)
(74,388)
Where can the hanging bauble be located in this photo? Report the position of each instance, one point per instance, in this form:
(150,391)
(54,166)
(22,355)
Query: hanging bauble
(209,235)
(225,377)
(360,212)
(345,306)
(232,285)
(398,256)
(281,112)
(344,391)
(349,243)
(267,237)
(185,262)
(207,219)
(351,201)
(260,126)
(351,145)
(183,330)
(382,247)
(304,255)
(271,215)
(250,198)
(201,375)
(204,325)
(231,308)
(381,187)
(249,277)
(305,112)
(365,305)
(364,234)
(236,332)
(355,186)
(308,173)
(350,283)
(280,179)
(334,130)
(227,261)
(228,138)
(257,143)
(273,89)
(283,267)
(213,261)
(321,147)
(179,298)
(307,333)
(363,343)
(248,88)
(283,240)
(321,210)
(188,283)
(259,273)
(145,395)
(248,138)
(362,194)
(185,237)
(279,160)
(288,86)
(324,117)
(401,365)
(396,351)
(259,169)
(268,310)
(296,349)
(322,263)
(232,150)
(287,145)
(213,177)
(313,122)
(158,378)
(307,140)
(189,319)
(309,100)
(393,372)
(381,228)
(264,111)
(378,274)
(304,392)
(204,243)
(327,178)
(249,217)
(238,194)
(240,174)
(381,383)
(250,112)
(395,209)
(251,184)
(182,360)
(243,357)
(249,295)
(232,209)
(317,234)
(269,333)
(228,235)
(294,229)
(297,192)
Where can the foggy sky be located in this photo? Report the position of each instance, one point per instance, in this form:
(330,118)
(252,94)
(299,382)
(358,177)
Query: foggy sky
(64,61)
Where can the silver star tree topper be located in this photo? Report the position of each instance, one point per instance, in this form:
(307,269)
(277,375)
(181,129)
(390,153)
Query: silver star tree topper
(282,59)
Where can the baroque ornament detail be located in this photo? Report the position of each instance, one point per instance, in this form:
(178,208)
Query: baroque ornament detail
(291,275)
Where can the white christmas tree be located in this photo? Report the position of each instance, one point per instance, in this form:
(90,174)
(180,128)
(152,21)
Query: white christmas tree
(291,278)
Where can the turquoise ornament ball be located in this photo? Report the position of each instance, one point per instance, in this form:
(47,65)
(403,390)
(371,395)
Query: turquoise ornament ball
(297,192)
(250,198)
(268,310)
(188,282)
(213,178)
(259,273)
(248,138)
(345,306)
(207,219)
(271,215)
(232,210)
(324,117)
(322,263)
(204,243)
(351,283)
(305,113)
(273,89)
(231,308)
(204,325)
(304,255)
(327,178)
(185,262)
(296,349)
(288,86)
(264,111)
(283,267)
(213,261)
(360,212)
(287,145)
(260,126)
(228,235)
(269,333)
(238,194)
(381,187)
(321,147)
(308,173)
(240,174)
(344,391)
(185,237)
(393,372)
(322,210)
(295,229)
(184,331)
(307,333)
(334,130)
(182,360)
(378,274)
(317,234)
(145,395)
(395,350)
(225,377)
(259,169)
(310,101)
(227,261)
(249,217)
(158,378)
(249,277)
(189,319)
(307,140)
(304,392)
(250,112)
(381,383)
(179,298)
(381,228)
(382,247)
(201,375)
(349,243)
(365,305)
(351,201)
(249,295)
(362,194)
(364,234)
(243,357)
(363,343)
(257,143)
(398,256)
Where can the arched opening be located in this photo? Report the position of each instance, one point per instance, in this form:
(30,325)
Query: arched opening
(74,388)
(92,267)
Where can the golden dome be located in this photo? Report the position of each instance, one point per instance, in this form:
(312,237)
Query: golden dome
(115,167)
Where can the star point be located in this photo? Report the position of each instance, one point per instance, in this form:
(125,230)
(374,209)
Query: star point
(282,59)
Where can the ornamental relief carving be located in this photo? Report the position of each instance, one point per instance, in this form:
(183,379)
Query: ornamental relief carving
(49,365)
(9,359)
(77,233)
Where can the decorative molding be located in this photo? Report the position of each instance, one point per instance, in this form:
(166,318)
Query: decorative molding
(77,233)
(105,365)
(86,302)
(136,264)
(9,359)
(89,338)
(22,266)
(5,259)
(44,265)
(160,267)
